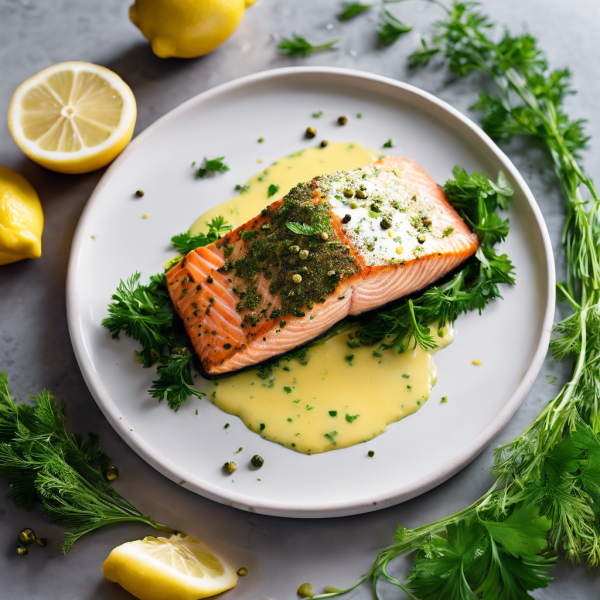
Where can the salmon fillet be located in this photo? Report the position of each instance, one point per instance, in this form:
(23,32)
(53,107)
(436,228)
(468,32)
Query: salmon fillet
(339,245)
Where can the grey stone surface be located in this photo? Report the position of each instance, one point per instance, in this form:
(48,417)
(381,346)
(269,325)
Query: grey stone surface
(34,341)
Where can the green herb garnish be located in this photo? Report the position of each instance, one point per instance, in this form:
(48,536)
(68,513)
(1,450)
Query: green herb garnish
(351,418)
(215,165)
(273,189)
(298,46)
(388,144)
(391,29)
(352,9)
(318,114)
(185,243)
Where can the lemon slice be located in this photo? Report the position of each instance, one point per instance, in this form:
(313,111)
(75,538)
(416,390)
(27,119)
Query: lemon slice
(74,117)
(178,568)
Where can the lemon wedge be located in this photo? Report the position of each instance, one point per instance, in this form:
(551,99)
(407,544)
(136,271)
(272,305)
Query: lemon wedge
(21,218)
(178,568)
(74,117)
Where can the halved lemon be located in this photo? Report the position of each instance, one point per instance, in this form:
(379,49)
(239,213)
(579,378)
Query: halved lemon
(178,568)
(74,117)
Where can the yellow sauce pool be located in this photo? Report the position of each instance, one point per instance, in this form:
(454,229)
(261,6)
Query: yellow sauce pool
(342,396)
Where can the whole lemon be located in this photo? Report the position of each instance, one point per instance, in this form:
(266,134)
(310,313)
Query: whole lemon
(21,218)
(187,28)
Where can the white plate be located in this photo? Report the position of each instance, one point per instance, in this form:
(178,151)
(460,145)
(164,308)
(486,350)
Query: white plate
(415,454)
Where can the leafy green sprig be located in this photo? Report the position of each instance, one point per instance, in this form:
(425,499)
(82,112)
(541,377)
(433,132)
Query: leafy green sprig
(184,242)
(553,467)
(62,471)
(213,165)
(352,9)
(391,28)
(299,46)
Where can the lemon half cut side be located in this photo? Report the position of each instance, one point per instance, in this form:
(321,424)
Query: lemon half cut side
(177,568)
(73,117)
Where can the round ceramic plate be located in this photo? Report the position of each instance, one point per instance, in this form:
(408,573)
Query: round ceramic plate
(113,241)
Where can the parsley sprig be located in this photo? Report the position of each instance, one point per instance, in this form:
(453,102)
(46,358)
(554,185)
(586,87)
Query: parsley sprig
(551,470)
(62,471)
(213,165)
(299,46)
(184,242)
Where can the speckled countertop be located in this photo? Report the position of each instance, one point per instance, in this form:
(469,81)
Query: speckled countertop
(34,340)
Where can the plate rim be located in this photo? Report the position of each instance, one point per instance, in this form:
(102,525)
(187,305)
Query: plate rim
(334,508)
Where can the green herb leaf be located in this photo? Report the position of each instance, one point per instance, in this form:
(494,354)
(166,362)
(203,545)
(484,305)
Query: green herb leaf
(302,228)
(391,29)
(352,9)
(215,165)
(273,189)
(388,144)
(298,46)
(185,243)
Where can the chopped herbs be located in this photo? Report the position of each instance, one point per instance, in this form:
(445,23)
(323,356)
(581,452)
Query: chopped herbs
(370,453)
(333,413)
(391,29)
(273,189)
(331,437)
(261,140)
(185,242)
(349,358)
(299,46)
(317,115)
(242,189)
(352,9)
(287,389)
(388,144)
(214,165)
(351,418)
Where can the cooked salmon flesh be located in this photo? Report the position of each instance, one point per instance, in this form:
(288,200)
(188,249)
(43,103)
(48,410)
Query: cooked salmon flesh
(339,245)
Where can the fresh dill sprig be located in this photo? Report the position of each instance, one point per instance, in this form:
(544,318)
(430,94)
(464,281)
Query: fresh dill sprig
(352,9)
(299,46)
(184,242)
(551,470)
(62,471)
(213,165)
(391,28)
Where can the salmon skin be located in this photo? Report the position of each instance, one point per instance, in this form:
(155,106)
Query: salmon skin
(339,245)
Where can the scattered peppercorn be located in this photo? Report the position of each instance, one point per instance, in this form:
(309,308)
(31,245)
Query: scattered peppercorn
(342,120)
(347,219)
(385,224)
(26,536)
(139,193)
(209,279)
(374,207)
(324,143)
(229,467)
(257,461)
(310,132)
(421,238)
(242,571)
(111,473)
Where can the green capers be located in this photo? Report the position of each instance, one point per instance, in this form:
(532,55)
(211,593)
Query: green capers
(111,473)
(331,273)
(26,536)
(266,226)
(353,204)
(426,221)
(310,132)
(303,255)
(421,238)
(296,278)
(348,193)
(294,249)
(374,207)
(242,571)
(324,235)
(342,120)
(385,224)
(346,219)
(370,453)
(139,193)
(361,194)
(257,461)
(305,590)
(41,541)
(21,550)
(324,143)
(229,467)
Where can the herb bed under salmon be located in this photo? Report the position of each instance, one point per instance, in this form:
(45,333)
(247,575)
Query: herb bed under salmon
(258,265)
